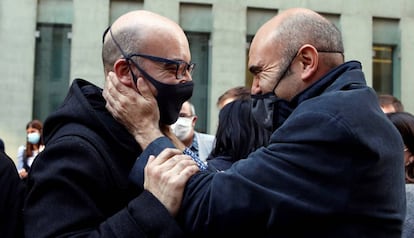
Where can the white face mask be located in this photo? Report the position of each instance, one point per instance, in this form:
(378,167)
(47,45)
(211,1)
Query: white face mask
(33,138)
(182,127)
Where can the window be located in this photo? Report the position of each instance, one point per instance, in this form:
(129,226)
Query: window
(386,63)
(52,68)
(382,67)
(199,48)
(197,21)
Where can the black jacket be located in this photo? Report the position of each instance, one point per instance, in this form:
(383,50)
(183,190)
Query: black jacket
(11,199)
(78,185)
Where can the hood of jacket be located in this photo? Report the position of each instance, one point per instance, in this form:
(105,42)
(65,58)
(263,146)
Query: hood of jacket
(84,105)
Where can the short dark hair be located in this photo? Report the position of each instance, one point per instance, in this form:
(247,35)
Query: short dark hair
(239,92)
(128,41)
(388,99)
(404,122)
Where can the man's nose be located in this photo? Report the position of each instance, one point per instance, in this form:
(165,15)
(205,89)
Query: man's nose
(185,79)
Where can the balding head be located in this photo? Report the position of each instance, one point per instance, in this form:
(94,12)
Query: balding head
(298,26)
(144,32)
(294,37)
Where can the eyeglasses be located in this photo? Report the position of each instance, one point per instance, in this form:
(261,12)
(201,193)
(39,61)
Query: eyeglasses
(185,115)
(181,67)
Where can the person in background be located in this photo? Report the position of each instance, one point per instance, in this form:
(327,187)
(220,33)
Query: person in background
(236,129)
(27,153)
(389,103)
(238,134)
(184,128)
(79,185)
(238,92)
(404,122)
(11,199)
(330,155)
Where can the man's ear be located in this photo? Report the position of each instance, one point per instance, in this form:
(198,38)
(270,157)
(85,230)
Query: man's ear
(122,70)
(194,120)
(308,57)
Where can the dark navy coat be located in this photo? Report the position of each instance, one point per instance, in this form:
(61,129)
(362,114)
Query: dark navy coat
(334,168)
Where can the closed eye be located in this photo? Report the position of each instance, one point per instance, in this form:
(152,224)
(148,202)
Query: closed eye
(255,70)
(170,66)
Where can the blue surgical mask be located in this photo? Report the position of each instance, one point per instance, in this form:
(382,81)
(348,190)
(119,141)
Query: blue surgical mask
(33,138)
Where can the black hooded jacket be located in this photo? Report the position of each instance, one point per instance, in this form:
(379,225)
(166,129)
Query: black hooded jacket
(78,185)
(11,199)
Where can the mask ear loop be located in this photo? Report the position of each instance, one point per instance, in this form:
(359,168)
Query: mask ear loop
(285,72)
(126,57)
(104,34)
(277,84)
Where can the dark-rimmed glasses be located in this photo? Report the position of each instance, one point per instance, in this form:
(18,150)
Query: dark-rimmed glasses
(182,67)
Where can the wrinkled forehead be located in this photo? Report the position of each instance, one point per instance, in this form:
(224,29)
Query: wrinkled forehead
(263,50)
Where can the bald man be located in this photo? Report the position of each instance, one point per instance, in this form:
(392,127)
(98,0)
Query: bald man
(334,163)
(79,184)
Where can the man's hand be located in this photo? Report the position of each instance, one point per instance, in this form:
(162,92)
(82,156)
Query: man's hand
(23,173)
(137,111)
(166,176)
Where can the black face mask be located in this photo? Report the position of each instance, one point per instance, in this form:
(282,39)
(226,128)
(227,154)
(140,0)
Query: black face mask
(170,97)
(269,110)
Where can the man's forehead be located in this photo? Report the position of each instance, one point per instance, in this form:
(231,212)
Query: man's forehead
(185,108)
(262,54)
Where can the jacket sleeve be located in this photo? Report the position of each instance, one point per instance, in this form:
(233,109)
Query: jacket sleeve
(71,194)
(154,148)
(20,156)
